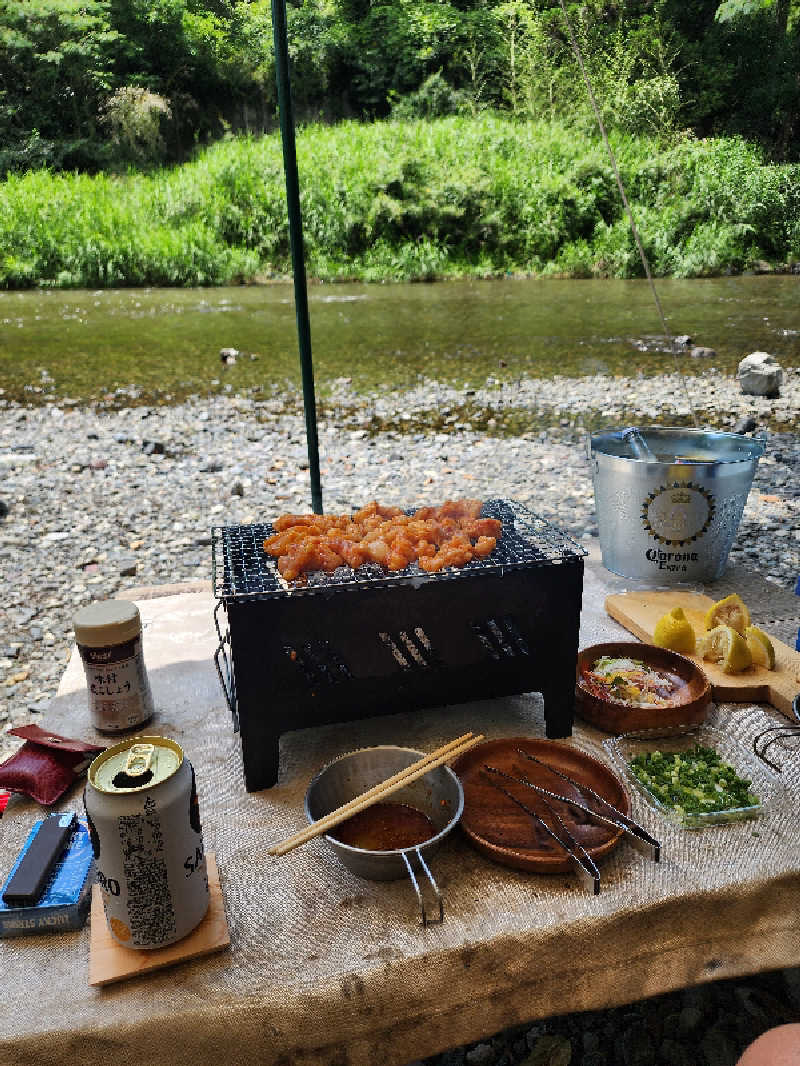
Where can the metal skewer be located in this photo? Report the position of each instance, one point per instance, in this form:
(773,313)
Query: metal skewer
(640,838)
(581,861)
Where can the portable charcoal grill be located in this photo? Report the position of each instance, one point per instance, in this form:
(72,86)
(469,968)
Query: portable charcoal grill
(354,644)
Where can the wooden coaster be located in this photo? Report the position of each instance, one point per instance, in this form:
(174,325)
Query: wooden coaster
(109,961)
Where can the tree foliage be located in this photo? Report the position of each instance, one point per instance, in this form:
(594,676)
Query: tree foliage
(77,76)
(56,63)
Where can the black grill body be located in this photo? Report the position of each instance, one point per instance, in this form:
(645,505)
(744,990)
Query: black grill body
(353,645)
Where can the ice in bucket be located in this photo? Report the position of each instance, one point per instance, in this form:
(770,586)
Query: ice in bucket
(669,501)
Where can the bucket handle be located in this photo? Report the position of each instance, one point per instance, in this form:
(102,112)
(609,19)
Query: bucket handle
(425,919)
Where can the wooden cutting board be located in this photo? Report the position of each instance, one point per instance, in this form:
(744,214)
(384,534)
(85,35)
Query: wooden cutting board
(638,612)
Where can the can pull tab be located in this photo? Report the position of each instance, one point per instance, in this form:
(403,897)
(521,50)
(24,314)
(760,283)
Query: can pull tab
(140,756)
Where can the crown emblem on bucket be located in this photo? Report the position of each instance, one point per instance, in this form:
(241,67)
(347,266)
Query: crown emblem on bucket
(678,514)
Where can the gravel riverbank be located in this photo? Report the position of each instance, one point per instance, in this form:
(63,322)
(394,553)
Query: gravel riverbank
(93,502)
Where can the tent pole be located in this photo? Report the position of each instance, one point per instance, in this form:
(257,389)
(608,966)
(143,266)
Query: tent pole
(296,242)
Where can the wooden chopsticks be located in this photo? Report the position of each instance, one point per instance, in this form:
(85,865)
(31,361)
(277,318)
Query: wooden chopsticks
(378,792)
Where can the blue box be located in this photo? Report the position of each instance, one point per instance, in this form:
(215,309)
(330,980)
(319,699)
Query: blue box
(64,903)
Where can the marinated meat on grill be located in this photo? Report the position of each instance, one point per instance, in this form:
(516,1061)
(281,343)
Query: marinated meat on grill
(434,537)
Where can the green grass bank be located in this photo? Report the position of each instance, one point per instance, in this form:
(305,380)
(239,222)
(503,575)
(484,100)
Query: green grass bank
(454,197)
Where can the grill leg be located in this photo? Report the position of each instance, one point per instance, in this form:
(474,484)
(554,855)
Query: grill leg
(259,758)
(559,703)
(558,684)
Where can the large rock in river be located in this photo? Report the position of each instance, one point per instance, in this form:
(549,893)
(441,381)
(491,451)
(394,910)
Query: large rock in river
(760,374)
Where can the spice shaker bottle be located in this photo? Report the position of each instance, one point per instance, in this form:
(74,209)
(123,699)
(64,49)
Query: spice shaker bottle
(109,639)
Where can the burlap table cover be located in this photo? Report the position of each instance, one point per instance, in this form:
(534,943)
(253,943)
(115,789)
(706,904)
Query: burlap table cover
(326,968)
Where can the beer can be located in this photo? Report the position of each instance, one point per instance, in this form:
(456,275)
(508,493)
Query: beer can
(144,823)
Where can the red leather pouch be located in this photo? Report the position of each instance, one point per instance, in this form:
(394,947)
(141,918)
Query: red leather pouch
(46,764)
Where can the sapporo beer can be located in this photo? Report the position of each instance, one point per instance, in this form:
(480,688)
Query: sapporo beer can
(144,823)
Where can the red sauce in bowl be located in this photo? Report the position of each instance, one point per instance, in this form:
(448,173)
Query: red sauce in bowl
(385,827)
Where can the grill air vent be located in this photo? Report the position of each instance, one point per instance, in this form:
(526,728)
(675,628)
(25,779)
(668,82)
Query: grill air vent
(320,663)
(410,650)
(501,637)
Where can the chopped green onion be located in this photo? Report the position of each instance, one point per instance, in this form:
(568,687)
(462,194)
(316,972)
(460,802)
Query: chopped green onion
(693,782)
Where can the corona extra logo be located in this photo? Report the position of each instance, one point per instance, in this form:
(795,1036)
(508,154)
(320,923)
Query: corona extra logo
(678,514)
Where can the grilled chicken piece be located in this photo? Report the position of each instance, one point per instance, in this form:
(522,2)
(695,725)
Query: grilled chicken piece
(434,537)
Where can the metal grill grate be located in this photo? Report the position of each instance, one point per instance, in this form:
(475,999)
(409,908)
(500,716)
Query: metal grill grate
(243,570)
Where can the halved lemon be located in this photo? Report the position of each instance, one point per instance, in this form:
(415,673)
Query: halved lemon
(673,630)
(726,646)
(729,612)
(760,646)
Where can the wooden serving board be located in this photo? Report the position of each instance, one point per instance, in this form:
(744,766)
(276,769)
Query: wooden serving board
(638,612)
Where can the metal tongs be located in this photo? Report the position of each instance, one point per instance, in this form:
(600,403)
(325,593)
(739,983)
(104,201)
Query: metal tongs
(581,861)
(639,837)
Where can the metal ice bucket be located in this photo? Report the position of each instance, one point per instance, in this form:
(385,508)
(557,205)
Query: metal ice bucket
(669,501)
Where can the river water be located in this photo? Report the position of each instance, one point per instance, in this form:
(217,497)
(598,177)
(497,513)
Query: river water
(160,345)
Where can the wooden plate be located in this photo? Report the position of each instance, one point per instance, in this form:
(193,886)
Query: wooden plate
(689,707)
(499,829)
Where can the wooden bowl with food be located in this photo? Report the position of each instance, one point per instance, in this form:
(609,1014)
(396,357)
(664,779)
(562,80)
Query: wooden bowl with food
(625,685)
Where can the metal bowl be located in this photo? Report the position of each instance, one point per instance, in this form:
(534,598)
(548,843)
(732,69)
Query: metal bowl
(437,794)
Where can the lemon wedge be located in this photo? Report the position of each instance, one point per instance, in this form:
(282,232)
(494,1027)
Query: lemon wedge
(760,646)
(673,630)
(729,612)
(726,646)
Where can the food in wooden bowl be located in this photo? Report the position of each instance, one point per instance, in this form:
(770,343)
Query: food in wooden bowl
(625,685)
